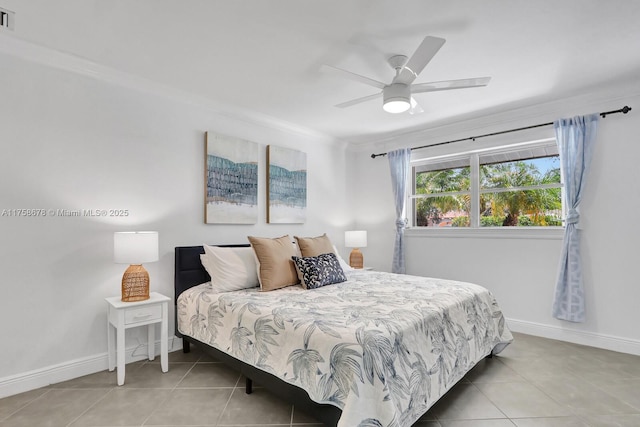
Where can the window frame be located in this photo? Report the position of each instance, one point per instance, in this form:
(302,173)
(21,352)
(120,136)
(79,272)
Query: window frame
(474,229)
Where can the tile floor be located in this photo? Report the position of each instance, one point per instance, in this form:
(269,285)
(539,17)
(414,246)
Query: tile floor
(534,382)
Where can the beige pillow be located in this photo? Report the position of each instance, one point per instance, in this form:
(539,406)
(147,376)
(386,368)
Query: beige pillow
(314,246)
(275,266)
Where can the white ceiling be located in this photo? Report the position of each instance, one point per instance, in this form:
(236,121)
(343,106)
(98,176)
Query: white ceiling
(265,56)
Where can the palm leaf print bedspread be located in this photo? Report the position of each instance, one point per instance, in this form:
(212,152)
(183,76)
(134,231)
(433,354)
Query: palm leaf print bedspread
(382,347)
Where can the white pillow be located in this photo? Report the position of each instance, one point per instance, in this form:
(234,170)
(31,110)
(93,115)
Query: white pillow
(230,269)
(345,266)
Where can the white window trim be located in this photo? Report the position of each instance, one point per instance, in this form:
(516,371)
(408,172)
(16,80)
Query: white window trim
(475,231)
(530,187)
(540,233)
(446,193)
(496,149)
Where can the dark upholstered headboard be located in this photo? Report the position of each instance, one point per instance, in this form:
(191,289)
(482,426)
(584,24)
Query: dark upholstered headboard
(189,271)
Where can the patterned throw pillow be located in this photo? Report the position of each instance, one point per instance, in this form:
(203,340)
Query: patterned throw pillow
(317,271)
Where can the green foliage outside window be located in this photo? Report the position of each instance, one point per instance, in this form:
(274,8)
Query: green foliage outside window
(522,206)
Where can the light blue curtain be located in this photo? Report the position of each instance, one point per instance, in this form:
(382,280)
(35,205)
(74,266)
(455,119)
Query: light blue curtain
(399,165)
(575,138)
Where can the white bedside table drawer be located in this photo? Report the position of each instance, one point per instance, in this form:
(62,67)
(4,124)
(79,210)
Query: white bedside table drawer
(124,315)
(142,314)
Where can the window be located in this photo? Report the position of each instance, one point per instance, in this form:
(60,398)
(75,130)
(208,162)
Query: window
(514,186)
(443,194)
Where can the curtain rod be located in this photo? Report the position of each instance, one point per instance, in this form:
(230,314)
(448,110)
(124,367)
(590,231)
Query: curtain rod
(623,110)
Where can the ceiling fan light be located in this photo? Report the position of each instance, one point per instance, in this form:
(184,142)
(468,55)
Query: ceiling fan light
(396,98)
(396,105)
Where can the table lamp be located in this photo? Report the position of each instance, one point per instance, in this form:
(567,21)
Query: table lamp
(134,248)
(356,240)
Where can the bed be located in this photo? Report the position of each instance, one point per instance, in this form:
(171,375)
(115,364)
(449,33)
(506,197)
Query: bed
(376,350)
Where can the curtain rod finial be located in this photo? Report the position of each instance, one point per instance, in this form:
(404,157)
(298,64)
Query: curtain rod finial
(623,110)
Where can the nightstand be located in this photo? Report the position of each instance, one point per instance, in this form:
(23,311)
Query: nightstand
(124,315)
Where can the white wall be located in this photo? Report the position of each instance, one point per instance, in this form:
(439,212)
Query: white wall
(521,272)
(70,141)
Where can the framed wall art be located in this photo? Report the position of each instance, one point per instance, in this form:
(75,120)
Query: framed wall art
(231,180)
(287,181)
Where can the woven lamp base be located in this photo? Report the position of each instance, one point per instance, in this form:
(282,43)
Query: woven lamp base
(135,284)
(356,259)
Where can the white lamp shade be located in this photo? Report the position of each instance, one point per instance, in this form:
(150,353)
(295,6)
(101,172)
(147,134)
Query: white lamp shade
(135,247)
(355,239)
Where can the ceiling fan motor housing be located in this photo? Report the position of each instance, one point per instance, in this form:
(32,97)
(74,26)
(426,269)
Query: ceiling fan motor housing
(396,97)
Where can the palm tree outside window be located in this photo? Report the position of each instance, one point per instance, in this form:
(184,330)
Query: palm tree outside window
(513,188)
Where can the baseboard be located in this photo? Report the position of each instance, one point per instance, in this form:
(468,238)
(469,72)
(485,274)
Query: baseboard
(31,380)
(607,342)
(53,374)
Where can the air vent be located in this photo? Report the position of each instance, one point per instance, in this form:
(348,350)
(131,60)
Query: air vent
(7,19)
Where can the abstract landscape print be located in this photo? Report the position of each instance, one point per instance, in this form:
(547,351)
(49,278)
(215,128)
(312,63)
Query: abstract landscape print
(287,178)
(231,180)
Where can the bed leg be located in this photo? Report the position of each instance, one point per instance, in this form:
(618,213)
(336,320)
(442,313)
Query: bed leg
(186,346)
(248,386)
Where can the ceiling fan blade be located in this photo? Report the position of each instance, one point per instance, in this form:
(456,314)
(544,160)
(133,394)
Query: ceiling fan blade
(415,107)
(421,57)
(450,84)
(359,100)
(354,76)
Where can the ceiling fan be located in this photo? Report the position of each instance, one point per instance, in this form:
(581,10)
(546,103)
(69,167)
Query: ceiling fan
(397,95)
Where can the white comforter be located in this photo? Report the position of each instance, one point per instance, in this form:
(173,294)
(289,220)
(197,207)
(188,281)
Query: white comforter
(382,347)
